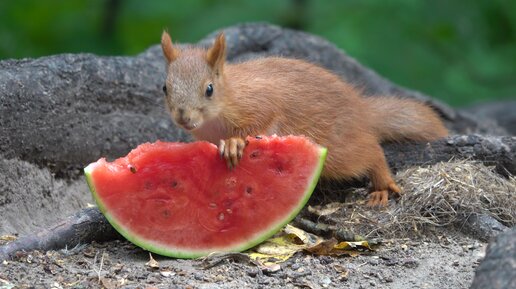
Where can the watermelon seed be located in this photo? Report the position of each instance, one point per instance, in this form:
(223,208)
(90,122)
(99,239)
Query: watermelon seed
(229,211)
(258,137)
(213,205)
(249,190)
(132,169)
(173,184)
(227,203)
(165,213)
(231,182)
(221,217)
(254,154)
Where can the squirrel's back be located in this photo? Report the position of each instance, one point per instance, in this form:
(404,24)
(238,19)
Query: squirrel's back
(309,99)
(293,96)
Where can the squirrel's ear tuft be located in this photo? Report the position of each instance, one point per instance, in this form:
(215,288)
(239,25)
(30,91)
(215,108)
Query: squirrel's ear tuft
(217,53)
(169,51)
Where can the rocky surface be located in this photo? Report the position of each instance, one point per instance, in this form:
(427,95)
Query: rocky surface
(498,269)
(503,112)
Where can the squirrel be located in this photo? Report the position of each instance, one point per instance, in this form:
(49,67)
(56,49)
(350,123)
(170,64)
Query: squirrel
(224,103)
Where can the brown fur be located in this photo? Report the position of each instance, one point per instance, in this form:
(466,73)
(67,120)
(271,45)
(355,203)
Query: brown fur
(283,96)
(169,51)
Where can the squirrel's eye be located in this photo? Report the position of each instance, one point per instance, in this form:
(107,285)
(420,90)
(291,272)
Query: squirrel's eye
(209,90)
(165,89)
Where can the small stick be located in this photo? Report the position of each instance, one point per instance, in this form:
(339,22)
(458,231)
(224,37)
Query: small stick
(83,227)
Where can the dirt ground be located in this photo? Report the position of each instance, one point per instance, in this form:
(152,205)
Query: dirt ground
(425,263)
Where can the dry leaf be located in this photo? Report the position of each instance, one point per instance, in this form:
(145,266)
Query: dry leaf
(8,238)
(152,263)
(323,248)
(305,237)
(108,283)
(280,248)
(325,210)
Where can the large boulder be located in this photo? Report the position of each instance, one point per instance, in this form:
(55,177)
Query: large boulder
(498,269)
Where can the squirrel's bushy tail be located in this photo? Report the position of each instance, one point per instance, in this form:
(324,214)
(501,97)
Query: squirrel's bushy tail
(396,119)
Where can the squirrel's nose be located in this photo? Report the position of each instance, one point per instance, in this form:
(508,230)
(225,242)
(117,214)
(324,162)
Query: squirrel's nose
(182,118)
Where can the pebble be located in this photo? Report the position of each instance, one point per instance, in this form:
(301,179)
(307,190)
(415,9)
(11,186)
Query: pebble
(197,276)
(167,273)
(390,262)
(252,273)
(325,282)
(263,281)
(326,260)
(410,263)
(388,279)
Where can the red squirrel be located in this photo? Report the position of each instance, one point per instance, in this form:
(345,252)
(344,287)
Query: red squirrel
(224,102)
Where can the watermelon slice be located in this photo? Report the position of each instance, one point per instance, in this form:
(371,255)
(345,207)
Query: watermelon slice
(180,199)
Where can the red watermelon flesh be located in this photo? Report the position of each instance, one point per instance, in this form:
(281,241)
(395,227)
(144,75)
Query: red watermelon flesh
(181,200)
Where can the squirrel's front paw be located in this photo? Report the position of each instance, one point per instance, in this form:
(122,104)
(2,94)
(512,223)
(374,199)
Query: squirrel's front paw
(232,150)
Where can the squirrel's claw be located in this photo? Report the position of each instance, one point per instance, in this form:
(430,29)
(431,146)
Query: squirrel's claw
(380,198)
(222,147)
(395,190)
(232,150)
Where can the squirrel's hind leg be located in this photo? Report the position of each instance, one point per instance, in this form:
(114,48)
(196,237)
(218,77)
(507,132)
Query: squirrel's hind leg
(382,181)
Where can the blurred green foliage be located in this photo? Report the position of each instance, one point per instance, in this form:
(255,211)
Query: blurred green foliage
(460,51)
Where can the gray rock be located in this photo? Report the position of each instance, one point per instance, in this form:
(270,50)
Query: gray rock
(481,227)
(65,111)
(498,269)
(503,112)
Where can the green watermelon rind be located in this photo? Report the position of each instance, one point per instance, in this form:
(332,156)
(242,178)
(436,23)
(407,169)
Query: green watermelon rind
(184,253)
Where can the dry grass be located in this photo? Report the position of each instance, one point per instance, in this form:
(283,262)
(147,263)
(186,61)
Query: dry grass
(434,196)
(442,194)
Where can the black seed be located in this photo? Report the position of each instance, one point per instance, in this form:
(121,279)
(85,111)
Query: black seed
(258,137)
(132,169)
(248,190)
(165,213)
(254,154)
(173,184)
(227,203)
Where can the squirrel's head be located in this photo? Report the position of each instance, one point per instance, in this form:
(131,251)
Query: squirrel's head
(194,84)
